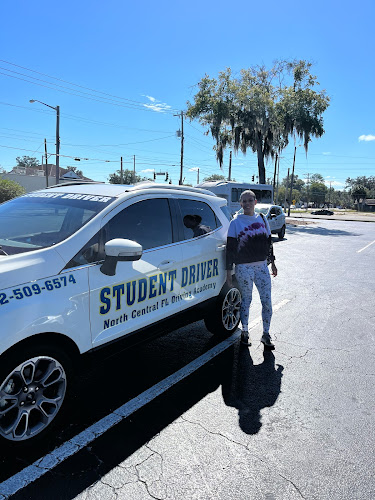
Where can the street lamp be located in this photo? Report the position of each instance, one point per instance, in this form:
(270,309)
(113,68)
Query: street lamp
(57,109)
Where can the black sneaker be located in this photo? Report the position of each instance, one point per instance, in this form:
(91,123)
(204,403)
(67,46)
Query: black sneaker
(266,340)
(245,339)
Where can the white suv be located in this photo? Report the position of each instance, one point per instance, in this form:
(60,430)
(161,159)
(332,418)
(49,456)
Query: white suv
(82,265)
(275,216)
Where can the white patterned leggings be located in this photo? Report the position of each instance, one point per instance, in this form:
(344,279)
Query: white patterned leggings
(246,275)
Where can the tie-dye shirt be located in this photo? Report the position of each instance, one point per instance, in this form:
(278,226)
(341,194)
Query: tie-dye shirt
(249,240)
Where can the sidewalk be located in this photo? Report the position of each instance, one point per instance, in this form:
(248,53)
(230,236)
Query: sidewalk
(345,216)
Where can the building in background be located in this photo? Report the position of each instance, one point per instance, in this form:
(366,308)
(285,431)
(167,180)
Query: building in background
(33,179)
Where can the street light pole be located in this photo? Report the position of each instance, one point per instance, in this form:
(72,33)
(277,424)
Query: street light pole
(57,144)
(57,109)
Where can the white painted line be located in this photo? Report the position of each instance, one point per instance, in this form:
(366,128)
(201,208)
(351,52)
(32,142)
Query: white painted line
(275,308)
(43,465)
(364,248)
(69,448)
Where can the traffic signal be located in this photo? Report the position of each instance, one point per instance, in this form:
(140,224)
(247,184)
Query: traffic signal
(166,176)
(252,178)
(154,176)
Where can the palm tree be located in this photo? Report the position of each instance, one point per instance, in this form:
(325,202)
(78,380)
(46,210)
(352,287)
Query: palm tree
(259,110)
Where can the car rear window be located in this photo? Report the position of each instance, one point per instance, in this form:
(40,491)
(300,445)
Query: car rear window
(39,220)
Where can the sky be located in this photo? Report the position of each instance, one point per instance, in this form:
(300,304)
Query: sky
(121,73)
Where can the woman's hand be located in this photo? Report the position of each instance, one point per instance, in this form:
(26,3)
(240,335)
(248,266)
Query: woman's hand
(274,269)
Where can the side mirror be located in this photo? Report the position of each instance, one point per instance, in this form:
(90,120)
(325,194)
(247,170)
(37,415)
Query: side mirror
(119,250)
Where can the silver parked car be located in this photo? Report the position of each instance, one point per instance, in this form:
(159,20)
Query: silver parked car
(275,217)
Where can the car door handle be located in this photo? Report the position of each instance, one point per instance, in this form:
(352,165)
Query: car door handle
(166,264)
(220,248)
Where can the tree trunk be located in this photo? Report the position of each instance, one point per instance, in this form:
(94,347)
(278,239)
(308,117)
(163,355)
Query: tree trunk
(261,169)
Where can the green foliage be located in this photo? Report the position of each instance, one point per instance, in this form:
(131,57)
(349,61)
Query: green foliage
(260,109)
(9,190)
(127,177)
(317,192)
(27,161)
(362,184)
(215,177)
(76,171)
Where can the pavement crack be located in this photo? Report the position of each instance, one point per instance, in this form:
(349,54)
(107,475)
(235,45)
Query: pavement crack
(144,481)
(247,449)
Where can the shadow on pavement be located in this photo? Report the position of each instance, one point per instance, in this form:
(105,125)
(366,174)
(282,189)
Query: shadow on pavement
(252,388)
(320,231)
(245,386)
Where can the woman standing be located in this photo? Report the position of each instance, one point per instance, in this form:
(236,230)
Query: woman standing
(249,245)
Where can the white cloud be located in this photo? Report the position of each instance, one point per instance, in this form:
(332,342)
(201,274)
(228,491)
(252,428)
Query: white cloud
(366,138)
(194,169)
(326,153)
(156,105)
(148,170)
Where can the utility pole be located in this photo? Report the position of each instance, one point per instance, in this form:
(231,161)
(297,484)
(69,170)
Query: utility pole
(291,182)
(274,174)
(45,151)
(121,173)
(277,182)
(134,168)
(182,147)
(286,189)
(230,167)
(198,176)
(57,144)
(308,190)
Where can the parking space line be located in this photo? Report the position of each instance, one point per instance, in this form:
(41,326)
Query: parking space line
(43,465)
(66,450)
(364,248)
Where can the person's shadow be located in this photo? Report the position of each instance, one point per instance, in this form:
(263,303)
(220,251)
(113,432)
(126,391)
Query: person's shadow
(252,387)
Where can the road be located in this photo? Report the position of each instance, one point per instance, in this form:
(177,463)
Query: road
(294,423)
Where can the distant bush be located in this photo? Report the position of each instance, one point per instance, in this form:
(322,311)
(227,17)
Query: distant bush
(9,190)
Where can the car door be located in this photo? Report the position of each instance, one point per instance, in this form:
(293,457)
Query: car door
(279,219)
(272,219)
(203,241)
(141,292)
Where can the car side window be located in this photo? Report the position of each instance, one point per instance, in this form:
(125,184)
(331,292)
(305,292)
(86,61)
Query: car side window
(148,222)
(278,211)
(197,218)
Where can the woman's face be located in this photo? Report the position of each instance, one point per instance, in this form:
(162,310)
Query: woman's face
(248,203)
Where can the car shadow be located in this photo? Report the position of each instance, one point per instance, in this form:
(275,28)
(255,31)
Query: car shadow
(318,230)
(244,385)
(252,388)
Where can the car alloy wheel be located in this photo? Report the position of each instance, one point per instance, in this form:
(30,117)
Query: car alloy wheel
(31,396)
(231,309)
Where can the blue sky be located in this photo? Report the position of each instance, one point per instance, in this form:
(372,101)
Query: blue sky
(134,65)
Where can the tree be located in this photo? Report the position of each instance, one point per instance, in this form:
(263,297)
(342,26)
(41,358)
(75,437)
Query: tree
(260,109)
(9,190)
(27,161)
(75,170)
(364,182)
(215,177)
(127,177)
(318,191)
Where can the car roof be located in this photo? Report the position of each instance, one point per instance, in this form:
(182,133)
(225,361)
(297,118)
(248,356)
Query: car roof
(119,190)
(266,205)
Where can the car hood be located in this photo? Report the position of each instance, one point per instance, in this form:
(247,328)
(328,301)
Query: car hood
(23,268)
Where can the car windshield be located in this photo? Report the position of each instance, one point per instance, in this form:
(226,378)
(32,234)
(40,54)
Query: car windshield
(42,219)
(261,210)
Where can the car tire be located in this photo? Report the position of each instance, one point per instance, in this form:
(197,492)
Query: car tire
(223,318)
(33,393)
(281,233)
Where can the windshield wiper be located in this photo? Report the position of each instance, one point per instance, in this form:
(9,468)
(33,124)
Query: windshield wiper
(3,252)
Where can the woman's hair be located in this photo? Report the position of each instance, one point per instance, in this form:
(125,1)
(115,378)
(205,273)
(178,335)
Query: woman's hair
(248,191)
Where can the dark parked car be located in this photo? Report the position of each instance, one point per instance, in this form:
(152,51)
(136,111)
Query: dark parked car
(322,212)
